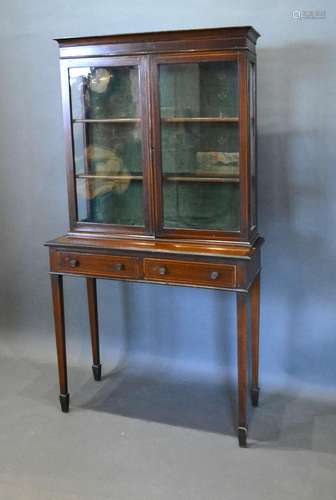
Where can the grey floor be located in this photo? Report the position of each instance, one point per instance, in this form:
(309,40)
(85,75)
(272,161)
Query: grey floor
(138,435)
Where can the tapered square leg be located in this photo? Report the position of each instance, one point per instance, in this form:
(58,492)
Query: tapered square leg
(242,367)
(58,305)
(91,285)
(255,315)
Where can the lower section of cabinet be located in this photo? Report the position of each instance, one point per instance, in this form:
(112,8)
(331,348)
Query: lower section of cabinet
(238,271)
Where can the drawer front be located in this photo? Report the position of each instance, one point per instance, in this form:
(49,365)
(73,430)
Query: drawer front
(190,273)
(113,266)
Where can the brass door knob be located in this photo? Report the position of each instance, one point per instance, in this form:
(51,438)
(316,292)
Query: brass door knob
(214,275)
(118,266)
(162,270)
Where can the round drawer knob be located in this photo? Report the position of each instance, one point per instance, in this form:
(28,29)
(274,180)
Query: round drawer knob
(162,270)
(214,275)
(118,266)
(73,262)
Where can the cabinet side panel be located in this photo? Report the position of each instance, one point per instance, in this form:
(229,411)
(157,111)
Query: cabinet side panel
(252,144)
(68,144)
(244,134)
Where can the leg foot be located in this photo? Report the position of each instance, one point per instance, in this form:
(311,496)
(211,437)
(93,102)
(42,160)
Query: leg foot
(64,400)
(96,369)
(255,396)
(242,437)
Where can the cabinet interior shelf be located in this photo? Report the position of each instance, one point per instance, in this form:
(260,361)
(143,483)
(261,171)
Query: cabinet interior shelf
(201,119)
(106,120)
(173,119)
(169,178)
(176,178)
(110,177)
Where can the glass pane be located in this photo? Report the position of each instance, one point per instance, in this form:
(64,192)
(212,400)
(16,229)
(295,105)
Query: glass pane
(110,201)
(105,92)
(200,145)
(107,142)
(252,128)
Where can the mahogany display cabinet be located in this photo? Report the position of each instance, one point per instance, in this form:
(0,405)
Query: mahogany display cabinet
(160,138)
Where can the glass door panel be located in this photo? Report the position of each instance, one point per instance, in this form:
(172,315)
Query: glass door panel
(252,139)
(199,114)
(107,142)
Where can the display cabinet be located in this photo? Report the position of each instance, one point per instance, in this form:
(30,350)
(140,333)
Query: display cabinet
(160,138)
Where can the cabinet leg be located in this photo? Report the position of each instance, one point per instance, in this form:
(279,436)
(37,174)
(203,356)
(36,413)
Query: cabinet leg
(255,314)
(242,367)
(58,304)
(91,285)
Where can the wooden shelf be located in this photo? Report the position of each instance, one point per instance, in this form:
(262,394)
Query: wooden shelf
(205,119)
(201,119)
(176,178)
(169,178)
(106,120)
(110,177)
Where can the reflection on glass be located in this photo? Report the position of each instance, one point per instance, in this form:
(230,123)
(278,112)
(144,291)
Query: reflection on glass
(110,201)
(107,148)
(200,145)
(107,144)
(107,92)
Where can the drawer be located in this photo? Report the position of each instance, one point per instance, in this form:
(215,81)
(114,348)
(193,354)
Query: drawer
(190,273)
(113,266)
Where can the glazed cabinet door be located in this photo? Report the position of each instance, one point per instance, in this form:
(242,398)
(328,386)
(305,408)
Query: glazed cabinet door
(199,144)
(252,143)
(105,101)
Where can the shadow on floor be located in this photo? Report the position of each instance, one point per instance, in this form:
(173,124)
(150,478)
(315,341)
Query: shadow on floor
(158,398)
(282,421)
